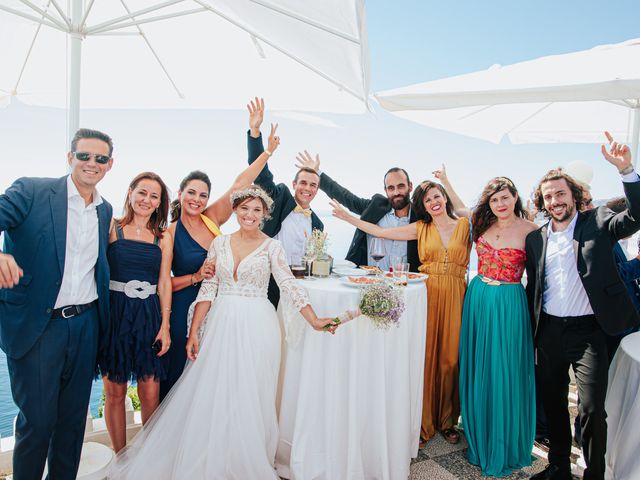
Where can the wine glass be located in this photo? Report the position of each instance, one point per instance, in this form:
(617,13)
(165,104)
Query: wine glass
(377,251)
(309,256)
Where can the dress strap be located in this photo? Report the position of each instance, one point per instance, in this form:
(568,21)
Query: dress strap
(119,232)
(213,228)
(156,240)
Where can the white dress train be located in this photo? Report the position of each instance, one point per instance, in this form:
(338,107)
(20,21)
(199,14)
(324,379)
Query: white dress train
(219,420)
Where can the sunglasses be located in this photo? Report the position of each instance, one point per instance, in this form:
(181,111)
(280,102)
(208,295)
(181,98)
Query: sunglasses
(85,156)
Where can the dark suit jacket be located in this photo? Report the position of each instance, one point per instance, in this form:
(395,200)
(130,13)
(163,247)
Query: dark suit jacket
(595,234)
(629,271)
(370,210)
(283,201)
(33,217)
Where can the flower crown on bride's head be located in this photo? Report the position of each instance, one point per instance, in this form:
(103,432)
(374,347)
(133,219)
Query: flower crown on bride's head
(254,191)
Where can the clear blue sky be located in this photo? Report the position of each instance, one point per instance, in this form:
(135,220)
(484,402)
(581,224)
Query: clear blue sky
(415,41)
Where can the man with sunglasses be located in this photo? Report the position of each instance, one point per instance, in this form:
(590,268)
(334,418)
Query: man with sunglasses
(54,304)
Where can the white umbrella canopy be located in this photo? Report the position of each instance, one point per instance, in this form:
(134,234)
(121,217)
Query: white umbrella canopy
(569,98)
(309,56)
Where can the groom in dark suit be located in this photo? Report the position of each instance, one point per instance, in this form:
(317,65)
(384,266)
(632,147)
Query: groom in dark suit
(292,219)
(390,210)
(576,298)
(54,304)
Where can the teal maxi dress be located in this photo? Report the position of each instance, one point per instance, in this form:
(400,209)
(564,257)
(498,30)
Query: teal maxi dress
(497,386)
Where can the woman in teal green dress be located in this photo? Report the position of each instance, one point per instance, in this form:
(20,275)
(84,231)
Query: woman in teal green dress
(497,386)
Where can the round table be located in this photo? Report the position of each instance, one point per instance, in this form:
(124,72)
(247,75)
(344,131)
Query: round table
(350,404)
(623,411)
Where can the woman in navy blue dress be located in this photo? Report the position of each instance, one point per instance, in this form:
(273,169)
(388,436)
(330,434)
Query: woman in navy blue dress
(139,257)
(193,227)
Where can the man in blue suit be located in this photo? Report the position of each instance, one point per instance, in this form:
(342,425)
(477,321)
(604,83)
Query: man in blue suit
(54,304)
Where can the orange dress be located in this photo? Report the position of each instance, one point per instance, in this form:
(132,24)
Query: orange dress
(446,285)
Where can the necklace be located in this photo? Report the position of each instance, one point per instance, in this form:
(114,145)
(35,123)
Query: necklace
(138,230)
(499,232)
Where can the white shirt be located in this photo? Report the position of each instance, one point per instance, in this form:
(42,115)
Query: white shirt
(392,248)
(292,235)
(81,253)
(564,295)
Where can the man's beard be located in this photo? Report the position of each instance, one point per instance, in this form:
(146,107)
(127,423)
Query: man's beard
(400,202)
(568,212)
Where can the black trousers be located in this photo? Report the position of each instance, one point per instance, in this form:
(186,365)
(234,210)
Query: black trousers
(580,343)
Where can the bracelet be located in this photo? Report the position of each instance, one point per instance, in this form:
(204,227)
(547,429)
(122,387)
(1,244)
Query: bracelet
(268,152)
(627,170)
(193,282)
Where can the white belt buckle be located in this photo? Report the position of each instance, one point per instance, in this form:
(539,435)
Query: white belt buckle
(137,289)
(64,315)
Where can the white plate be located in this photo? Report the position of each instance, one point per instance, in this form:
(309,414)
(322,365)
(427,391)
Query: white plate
(347,282)
(420,279)
(350,272)
(343,264)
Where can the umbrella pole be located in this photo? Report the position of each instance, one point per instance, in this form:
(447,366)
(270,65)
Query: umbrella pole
(73,80)
(635,135)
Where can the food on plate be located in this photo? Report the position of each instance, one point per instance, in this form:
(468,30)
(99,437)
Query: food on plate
(410,276)
(370,268)
(364,280)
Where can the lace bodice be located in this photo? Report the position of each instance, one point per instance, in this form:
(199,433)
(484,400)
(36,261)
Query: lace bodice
(504,264)
(252,273)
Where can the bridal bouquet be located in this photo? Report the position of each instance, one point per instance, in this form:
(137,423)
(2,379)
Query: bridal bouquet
(381,302)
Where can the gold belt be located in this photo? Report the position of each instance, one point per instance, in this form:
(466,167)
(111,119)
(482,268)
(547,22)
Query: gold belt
(493,282)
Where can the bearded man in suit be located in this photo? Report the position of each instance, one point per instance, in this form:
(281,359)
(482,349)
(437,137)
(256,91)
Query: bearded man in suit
(576,298)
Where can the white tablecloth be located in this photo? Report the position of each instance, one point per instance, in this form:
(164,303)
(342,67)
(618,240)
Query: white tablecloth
(623,410)
(351,404)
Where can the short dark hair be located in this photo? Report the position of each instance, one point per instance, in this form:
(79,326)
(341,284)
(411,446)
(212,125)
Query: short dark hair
(308,170)
(88,133)
(394,170)
(557,174)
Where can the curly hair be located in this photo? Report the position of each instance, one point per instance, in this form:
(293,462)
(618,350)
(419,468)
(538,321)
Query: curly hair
(158,220)
(482,217)
(557,174)
(417,201)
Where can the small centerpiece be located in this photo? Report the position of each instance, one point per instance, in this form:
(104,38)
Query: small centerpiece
(323,261)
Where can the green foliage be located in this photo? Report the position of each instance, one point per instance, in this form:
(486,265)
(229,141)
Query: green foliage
(132,393)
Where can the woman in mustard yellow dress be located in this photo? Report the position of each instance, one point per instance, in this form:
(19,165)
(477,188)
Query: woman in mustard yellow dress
(444,246)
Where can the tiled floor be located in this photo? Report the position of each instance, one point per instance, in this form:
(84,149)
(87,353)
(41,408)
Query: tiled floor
(442,461)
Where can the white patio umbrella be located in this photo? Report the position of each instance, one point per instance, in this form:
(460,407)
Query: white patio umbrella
(309,56)
(569,98)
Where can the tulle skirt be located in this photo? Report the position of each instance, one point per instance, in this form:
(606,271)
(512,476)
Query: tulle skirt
(219,420)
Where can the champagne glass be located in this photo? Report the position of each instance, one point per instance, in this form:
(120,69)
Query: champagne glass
(377,251)
(309,256)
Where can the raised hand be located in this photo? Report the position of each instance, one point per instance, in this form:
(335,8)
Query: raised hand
(10,272)
(618,155)
(441,174)
(256,115)
(274,140)
(339,211)
(305,160)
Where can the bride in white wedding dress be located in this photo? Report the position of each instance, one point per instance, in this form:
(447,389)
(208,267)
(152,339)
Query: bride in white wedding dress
(219,421)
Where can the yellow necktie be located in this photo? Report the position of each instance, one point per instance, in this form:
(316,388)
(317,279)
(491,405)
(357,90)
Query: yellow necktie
(305,211)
